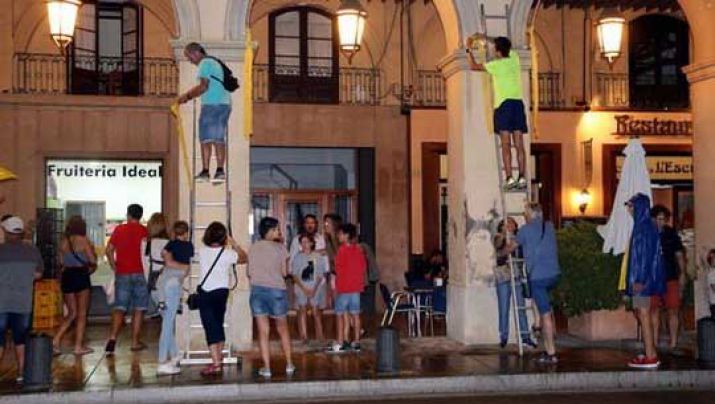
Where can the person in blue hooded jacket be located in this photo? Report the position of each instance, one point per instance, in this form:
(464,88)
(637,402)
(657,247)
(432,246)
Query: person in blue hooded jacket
(645,276)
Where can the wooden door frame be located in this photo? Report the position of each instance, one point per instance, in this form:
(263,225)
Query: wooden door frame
(430,194)
(554,149)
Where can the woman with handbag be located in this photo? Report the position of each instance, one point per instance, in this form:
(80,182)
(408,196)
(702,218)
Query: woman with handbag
(152,247)
(216,259)
(78,262)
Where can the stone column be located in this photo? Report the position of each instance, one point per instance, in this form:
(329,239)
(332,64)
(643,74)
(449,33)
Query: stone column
(231,52)
(474,204)
(701,75)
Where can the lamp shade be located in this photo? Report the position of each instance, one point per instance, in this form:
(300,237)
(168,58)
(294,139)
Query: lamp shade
(610,33)
(351,25)
(62,15)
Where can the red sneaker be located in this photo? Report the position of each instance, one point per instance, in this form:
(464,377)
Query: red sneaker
(641,362)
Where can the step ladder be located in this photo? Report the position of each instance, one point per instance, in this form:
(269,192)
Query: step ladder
(210,201)
(487,18)
(513,203)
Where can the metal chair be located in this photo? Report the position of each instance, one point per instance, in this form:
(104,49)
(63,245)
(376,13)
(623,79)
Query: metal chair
(437,308)
(399,302)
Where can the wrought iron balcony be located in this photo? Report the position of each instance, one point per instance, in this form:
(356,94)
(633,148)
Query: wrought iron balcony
(53,74)
(611,90)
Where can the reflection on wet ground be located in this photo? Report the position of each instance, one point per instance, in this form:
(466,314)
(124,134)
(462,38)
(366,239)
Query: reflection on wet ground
(436,356)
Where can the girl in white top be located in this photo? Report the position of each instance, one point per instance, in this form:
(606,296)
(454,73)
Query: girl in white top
(216,258)
(153,245)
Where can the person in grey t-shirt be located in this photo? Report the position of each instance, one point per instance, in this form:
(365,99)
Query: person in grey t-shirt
(20,265)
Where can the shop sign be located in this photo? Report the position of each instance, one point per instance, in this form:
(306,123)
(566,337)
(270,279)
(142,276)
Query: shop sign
(626,125)
(93,169)
(664,168)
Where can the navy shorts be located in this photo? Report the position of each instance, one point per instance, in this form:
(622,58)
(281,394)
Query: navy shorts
(540,289)
(213,123)
(267,301)
(18,323)
(510,117)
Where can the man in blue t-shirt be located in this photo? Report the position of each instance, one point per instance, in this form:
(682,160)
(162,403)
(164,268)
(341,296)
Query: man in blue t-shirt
(215,109)
(538,241)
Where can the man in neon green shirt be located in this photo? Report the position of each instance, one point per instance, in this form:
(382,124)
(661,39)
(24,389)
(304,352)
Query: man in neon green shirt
(509,115)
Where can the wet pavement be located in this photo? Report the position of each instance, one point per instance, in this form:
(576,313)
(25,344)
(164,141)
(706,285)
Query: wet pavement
(423,357)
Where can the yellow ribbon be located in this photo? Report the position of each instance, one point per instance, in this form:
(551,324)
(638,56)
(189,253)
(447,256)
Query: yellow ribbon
(248,87)
(6,175)
(624,269)
(182,139)
(534,84)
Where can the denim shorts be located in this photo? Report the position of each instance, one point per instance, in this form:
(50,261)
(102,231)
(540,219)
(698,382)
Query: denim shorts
(19,324)
(510,117)
(130,292)
(540,289)
(267,301)
(213,123)
(347,303)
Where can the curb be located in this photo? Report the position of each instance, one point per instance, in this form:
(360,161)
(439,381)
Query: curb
(390,388)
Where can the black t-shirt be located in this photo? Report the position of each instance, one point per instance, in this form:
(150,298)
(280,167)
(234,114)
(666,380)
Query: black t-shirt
(182,251)
(671,244)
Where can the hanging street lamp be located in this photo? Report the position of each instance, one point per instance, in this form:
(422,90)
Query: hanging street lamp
(351,26)
(610,33)
(62,15)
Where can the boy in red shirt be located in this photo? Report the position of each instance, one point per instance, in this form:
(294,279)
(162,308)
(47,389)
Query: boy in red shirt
(130,288)
(350,267)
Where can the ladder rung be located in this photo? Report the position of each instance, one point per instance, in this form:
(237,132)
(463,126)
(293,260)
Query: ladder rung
(211,204)
(515,213)
(201,326)
(200,227)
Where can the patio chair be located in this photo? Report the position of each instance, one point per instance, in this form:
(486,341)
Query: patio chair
(437,308)
(399,302)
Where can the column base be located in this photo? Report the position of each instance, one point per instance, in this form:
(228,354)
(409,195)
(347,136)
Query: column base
(472,314)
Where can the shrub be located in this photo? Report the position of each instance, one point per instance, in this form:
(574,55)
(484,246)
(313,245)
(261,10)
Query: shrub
(589,278)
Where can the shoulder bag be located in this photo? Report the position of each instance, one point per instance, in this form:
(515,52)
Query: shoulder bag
(194,299)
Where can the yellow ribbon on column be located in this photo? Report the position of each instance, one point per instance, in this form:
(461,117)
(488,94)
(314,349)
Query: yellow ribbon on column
(182,140)
(248,87)
(6,175)
(534,84)
(624,269)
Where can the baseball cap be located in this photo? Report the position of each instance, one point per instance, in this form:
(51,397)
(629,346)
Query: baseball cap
(13,224)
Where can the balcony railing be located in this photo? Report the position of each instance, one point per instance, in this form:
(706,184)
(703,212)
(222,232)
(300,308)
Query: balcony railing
(49,74)
(611,90)
(429,89)
(550,90)
(357,86)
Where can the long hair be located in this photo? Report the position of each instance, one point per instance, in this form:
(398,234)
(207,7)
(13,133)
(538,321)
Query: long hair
(76,226)
(156,226)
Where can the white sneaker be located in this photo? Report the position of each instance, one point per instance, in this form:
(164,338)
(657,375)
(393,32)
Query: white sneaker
(176,360)
(166,369)
(265,372)
(290,369)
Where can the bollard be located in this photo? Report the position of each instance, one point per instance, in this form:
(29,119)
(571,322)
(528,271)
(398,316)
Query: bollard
(706,340)
(388,350)
(38,363)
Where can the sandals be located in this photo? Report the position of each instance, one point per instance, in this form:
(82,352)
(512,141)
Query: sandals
(83,351)
(212,370)
(139,347)
(56,351)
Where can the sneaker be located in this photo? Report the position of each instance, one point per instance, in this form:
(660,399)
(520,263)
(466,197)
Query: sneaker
(546,359)
(161,306)
(529,342)
(521,183)
(109,348)
(641,362)
(265,372)
(290,369)
(340,348)
(220,175)
(176,360)
(510,183)
(203,176)
(19,380)
(166,369)
(355,346)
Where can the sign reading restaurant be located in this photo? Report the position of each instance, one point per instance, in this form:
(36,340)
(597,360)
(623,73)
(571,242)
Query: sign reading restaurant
(626,125)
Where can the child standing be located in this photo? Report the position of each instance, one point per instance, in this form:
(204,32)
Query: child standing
(177,260)
(308,269)
(350,267)
(267,269)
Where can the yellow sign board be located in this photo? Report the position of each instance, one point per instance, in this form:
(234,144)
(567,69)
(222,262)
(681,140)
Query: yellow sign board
(664,168)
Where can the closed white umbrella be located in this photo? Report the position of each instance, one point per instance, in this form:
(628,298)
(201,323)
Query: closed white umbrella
(634,179)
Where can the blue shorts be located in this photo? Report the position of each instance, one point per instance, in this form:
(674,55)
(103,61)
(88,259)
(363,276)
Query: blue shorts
(347,303)
(267,301)
(130,292)
(19,324)
(213,123)
(540,289)
(510,117)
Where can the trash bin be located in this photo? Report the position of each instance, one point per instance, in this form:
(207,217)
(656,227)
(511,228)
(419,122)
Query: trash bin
(388,350)
(38,362)
(706,340)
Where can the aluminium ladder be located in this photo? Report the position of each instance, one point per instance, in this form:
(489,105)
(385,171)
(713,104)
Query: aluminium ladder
(210,201)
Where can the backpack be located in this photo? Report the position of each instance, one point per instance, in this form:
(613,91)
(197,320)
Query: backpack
(229,82)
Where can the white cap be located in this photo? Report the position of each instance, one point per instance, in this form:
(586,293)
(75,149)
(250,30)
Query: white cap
(13,224)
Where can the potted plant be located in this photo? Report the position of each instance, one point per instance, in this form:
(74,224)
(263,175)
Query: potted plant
(588,290)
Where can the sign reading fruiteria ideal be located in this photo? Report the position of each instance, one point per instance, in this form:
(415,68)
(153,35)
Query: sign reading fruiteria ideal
(664,168)
(626,125)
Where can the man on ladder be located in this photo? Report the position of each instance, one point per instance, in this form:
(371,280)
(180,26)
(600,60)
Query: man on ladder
(509,115)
